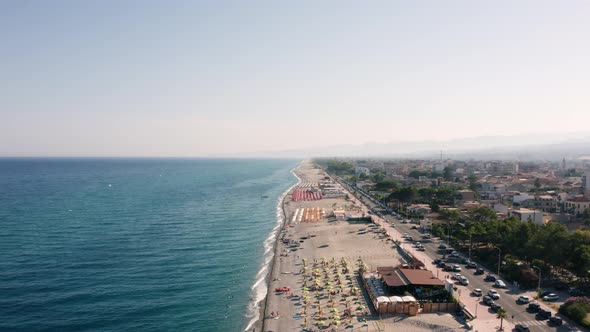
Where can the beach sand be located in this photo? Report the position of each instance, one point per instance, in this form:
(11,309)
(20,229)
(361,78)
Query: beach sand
(329,246)
(330,240)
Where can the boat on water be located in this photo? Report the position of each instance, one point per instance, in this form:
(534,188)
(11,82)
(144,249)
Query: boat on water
(263,196)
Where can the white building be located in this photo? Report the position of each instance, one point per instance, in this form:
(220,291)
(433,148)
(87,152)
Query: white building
(527,214)
(438,167)
(521,197)
(576,206)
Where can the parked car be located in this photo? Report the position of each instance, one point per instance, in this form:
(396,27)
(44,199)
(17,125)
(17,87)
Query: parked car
(500,284)
(448,268)
(496,307)
(456,268)
(471,265)
(545,293)
(534,307)
(479,271)
(455,254)
(576,292)
(490,277)
(442,246)
(421,248)
(477,292)
(436,261)
(456,276)
(522,327)
(494,294)
(543,314)
(555,321)
(488,300)
(523,299)
(463,281)
(426,236)
(551,297)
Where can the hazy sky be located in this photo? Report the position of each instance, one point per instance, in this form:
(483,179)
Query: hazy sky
(176,78)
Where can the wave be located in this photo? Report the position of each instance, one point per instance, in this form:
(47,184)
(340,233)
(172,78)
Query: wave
(260,287)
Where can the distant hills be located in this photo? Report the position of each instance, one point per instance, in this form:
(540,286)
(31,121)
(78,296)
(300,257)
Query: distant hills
(518,147)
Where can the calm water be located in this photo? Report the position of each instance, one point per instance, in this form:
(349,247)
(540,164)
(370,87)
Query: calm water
(135,245)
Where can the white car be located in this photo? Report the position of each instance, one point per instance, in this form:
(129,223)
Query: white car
(500,284)
(551,297)
(463,280)
(523,299)
(457,276)
(477,292)
(494,294)
(455,254)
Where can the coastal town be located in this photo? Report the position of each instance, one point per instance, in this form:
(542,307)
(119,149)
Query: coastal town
(422,245)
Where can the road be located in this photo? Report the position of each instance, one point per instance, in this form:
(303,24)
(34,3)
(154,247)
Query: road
(515,313)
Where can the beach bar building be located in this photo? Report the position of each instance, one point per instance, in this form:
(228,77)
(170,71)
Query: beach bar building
(398,280)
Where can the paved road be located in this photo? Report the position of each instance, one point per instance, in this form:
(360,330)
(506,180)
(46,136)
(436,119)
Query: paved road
(484,313)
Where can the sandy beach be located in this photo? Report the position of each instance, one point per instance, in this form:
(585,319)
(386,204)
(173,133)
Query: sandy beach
(319,288)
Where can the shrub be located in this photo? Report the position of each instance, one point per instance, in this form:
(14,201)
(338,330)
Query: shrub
(576,308)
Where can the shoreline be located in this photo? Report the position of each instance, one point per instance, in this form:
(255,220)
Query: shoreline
(263,304)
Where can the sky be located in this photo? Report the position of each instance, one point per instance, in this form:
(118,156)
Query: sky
(198,78)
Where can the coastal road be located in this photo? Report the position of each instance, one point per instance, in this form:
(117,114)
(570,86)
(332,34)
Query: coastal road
(474,304)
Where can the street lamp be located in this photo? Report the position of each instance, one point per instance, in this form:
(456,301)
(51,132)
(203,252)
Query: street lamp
(499,257)
(539,283)
(476,302)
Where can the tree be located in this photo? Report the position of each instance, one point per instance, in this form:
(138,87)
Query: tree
(473,185)
(450,215)
(448,174)
(482,214)
(405,194)
(537,184)
(501,314)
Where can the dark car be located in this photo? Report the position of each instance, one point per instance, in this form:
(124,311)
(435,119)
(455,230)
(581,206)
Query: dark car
(543,314)
(488,300)
(490,277)
(496,307)
(479,271)
(522,327)
(442,246)
(534,307)
(545,293)
(448,268)
(555,321)
(471,265)
(576,292)
(436,261)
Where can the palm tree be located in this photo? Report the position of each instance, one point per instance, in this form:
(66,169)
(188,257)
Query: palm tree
(501,314)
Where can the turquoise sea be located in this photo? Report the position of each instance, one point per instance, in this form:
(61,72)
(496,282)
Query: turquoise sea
(136,244)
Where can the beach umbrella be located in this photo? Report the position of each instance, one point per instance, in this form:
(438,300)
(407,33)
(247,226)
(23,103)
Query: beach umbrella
(360,307)
(333,310)
(336,322)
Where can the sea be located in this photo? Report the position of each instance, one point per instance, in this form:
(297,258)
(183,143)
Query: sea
(137,244)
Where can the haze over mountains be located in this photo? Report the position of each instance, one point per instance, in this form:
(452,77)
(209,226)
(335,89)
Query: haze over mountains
(521,147)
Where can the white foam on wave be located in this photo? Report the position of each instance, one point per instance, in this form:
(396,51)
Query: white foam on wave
(260,288)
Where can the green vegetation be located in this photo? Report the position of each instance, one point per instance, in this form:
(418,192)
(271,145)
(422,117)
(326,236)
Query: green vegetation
(551,247)
(577,308)
(336,167)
